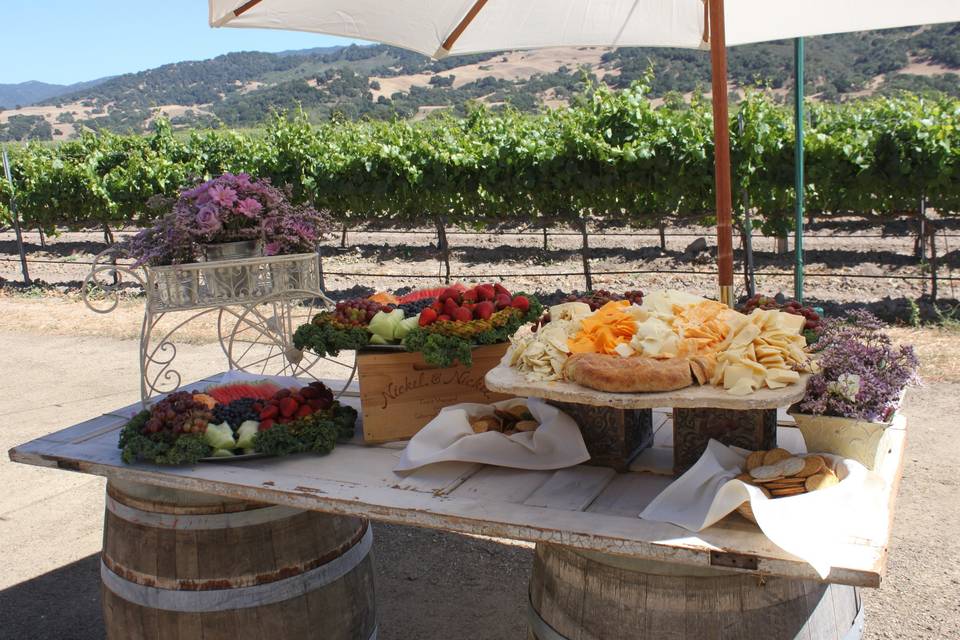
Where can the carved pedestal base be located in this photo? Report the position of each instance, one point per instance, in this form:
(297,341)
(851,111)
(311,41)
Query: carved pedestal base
(613,436)
(693,429)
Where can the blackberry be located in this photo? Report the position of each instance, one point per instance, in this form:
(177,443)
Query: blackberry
(414,308)
(235,413)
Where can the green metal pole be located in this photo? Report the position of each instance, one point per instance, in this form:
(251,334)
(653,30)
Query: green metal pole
(798,168)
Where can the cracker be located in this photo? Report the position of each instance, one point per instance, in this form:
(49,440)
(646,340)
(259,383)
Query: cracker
(765,492)
(744,477)
(776,455)
(785,483)
(755,460)
(811,465)
(819,481)
(766,473)
(484,424)
(527,425)
(786,493)
(790,466)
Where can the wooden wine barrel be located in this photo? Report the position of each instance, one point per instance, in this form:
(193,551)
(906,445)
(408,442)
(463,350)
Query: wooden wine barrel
(590,596)
(185,565)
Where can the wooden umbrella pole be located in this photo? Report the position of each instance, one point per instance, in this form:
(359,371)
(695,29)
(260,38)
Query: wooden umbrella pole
(721,137)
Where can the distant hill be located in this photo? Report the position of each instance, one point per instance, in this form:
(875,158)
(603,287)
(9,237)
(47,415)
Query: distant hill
(30,92)
(377,81)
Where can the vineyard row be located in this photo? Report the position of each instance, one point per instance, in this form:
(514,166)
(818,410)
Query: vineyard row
(611,158)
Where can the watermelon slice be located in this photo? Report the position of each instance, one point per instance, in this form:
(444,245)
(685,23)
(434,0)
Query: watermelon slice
(420,294)
(226,393)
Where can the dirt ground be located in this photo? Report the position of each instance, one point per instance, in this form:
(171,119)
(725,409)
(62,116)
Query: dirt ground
(847,262)
(431,585)
(61,363)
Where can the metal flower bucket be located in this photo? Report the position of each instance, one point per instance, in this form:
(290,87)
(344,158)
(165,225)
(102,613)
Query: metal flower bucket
(234,281)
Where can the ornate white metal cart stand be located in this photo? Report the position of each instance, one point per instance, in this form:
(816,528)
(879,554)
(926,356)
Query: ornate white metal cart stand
(259,303)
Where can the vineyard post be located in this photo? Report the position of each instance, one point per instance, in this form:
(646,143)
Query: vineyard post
(343,237)
(15,218)
(933,263)
(921,251)
(585,253)
(799,191)
(43,238)
(319,249)
(663,235)
(545,237)
(443,246)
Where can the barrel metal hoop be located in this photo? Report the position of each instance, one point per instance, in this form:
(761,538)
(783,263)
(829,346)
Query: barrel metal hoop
(241,597)
(228,520)
(540,627)
(543,631)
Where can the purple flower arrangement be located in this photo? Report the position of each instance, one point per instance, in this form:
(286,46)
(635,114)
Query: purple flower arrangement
(862,375)
(229,208)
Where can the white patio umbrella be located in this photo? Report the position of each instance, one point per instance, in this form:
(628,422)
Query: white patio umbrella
(439,28)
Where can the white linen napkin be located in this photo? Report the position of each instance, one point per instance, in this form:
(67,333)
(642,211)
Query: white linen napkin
(808,526)
(555,444)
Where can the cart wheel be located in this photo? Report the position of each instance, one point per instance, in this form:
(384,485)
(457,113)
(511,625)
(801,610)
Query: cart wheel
(258,338)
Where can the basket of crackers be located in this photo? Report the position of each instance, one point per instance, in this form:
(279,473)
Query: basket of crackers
(513,419)
(781,474)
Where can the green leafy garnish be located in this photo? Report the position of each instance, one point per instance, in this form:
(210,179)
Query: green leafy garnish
(326,339)
(160,449)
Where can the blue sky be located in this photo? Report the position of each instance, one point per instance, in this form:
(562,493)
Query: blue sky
(65,41)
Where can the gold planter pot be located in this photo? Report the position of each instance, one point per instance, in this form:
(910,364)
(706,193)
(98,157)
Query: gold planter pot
(866,442)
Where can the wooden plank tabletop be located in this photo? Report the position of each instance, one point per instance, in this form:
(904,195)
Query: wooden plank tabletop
(505,379)
(585,507)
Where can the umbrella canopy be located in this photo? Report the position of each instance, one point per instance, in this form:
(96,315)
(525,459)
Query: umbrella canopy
(439,28)
(442,27)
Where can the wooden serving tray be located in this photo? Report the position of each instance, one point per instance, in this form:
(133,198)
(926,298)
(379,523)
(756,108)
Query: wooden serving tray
(506,379)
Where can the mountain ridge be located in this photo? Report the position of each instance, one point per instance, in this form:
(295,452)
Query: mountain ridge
(242,89)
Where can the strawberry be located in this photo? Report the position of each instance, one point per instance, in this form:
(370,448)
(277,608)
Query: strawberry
(503,301)
(309,393)
(485,292)
(443,318)
(437,306)
(450,293)
(499,289)
(521,302)
(483,310)
(282,393)
(462,314)
(269,411)
(470,295)
(265,424)
(450,306)
(288,407)
(303,411)
(427,316)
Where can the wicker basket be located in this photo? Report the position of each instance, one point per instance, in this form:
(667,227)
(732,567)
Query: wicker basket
(747,512)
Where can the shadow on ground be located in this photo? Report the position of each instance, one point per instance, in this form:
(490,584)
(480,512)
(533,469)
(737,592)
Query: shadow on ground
(430,585)
(60,605)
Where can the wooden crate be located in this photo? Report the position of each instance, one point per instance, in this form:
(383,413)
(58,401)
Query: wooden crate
(400,393)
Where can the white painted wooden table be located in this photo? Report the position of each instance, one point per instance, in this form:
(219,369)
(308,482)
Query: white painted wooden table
(586,508)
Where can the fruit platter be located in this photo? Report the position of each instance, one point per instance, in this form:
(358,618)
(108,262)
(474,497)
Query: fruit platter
(443,324)
(236,421)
